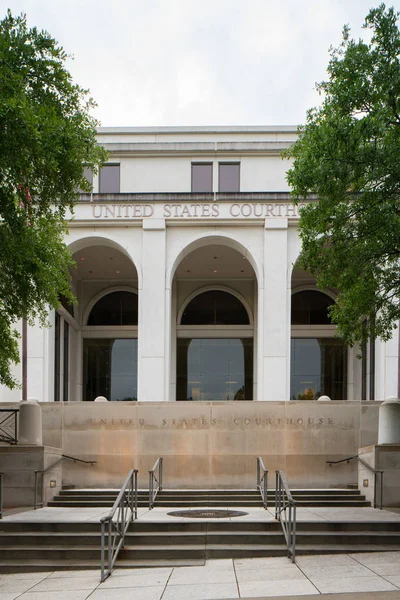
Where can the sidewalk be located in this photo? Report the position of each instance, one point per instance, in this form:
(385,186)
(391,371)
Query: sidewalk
(334,576)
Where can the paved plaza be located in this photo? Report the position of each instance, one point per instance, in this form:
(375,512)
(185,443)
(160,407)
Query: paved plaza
(369,576)
(221,579)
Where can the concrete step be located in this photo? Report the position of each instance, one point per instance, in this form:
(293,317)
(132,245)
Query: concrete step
(206,498)
(41,546)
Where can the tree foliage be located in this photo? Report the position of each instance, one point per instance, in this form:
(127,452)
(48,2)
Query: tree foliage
(47,134)
(348,154)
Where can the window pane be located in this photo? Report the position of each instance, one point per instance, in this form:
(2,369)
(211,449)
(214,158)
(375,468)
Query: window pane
(109,179)
(57,366)
(318,368)
(229,177)
(110,369)
(215,308)
(117,308)
(311,308)
(214,369)
(66,362)
(202,177)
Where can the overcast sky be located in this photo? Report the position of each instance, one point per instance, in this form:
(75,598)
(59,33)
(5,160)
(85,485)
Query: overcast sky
(207,62)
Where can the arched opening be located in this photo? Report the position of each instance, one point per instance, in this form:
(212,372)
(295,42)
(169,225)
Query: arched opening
(110,363)
(214,293)
(318,358)
(97,348)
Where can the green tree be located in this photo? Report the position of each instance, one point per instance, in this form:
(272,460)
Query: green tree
(348,155)
(47,134)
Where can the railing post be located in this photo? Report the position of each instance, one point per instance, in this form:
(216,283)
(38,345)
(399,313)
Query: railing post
(1,495)
(109,547)
(266,489)
(103,533)
(381,503)
(276,494)
(258,473)
(35,494)
(161,474)
(375,490)
(135,475)
(294,534)
(150,490)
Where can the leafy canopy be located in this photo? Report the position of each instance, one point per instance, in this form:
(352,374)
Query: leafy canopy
(348,154)
(47,134)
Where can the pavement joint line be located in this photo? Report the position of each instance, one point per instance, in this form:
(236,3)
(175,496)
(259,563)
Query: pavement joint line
(307,577)
(236,579)
(167,582)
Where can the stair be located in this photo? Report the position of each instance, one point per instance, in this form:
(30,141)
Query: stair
(48,546)
(216,498)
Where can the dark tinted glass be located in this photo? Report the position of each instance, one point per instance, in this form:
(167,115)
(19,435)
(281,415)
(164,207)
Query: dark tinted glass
(215,308)
(311,308)
(66,304)
(66,362)
(318,368)
(110,369)
(215,369)
(117,308)
(88,174)
(109,179)
(202,177)
(228,177)
(57,365)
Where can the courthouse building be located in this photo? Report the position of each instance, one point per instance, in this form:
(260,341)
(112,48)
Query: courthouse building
(187,282)
(195,322)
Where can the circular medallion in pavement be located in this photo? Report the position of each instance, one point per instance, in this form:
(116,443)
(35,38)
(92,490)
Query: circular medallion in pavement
(207,514)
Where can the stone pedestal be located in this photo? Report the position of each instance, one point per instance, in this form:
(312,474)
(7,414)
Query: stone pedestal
(19,463)
(389,422)
(384,457)
(30,424)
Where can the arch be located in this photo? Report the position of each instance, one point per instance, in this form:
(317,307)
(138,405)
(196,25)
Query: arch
(310,312)
(209,288)
(102,240)
(102,294)
(205,239)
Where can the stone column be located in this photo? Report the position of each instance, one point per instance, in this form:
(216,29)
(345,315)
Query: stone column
(275,334)
(151,329)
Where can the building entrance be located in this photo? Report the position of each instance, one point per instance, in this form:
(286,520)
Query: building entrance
(215,328)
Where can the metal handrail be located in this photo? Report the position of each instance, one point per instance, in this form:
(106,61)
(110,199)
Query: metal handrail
(126,505)
(262,481)
(374,471)
(155,481)
(285,512)
(1,495)
(4,435)
(38,472)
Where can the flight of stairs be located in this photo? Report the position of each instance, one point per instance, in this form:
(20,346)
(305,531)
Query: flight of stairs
(216,498)
(29,546)
(58,546)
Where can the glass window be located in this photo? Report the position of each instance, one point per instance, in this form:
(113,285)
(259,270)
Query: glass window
(66,304)
(66,362)
(215,308)
(117,308)
(311,308)
(110,369)
(109,179)
(57,365)
(214,369)
(318,368)
(202,177)
(229,177)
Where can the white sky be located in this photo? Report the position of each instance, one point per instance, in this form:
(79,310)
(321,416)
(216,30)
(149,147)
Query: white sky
(208,62)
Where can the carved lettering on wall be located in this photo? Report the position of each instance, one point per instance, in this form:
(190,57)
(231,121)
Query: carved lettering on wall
(201,422)
(204,210)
